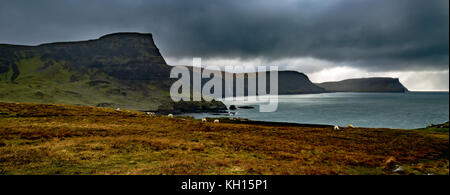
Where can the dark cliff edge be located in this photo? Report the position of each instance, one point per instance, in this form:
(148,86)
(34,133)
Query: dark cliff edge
(376,84)
(127,70)
(289,82)
(292,82)
(124,70)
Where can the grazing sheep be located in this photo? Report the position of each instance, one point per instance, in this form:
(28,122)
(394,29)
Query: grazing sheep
(350,126)
(170,115)
(204,120)
(117,109)
(150,113)
(216,121)
(399,169)
(336,128)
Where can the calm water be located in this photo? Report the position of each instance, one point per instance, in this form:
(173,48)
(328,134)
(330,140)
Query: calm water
(390,110)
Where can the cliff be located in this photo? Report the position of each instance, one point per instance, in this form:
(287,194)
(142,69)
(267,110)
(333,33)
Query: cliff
(378,84)
(289,82)
(117,70)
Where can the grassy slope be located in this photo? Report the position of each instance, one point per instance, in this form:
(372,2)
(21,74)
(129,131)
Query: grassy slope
(33,85)
(123,70)
(48,81)
(60,139)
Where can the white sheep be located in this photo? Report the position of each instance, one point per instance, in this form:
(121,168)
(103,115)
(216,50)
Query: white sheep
(350,126)
(336,128)
(216,121)
(170,115)
(117,109)
(150,113)
(204,120)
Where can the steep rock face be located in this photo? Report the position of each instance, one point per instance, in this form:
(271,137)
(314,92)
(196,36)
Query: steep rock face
(117,70)
(125,56)
(380,84)
(289,82)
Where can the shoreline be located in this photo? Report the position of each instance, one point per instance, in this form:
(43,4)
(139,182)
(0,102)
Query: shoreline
(81,140)
(225,117)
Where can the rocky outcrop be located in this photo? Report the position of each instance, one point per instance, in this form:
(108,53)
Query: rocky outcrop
(379,84)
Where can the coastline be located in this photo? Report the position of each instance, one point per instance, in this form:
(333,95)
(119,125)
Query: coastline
(410,110)
(63,139)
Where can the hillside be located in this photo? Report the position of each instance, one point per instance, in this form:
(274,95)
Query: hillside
(123,70)
(289,82)
(292,82)
(62,139)
(365,85)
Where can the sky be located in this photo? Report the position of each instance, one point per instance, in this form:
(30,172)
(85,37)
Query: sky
(328,39)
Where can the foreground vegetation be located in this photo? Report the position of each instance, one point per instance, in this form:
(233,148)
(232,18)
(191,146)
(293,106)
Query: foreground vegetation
(61,139)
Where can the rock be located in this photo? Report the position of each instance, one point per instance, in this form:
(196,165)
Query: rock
(390,163)
(105,104)
(440,126)
(246,107)
(192,107)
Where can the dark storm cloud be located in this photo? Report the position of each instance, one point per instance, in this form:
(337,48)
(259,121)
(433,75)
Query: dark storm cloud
(375,34)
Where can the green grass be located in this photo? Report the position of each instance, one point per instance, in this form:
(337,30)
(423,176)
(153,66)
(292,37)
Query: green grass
(52,85)
(442,128)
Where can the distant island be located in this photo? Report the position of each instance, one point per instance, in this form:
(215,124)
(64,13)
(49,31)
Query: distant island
(127,70)
(378,84)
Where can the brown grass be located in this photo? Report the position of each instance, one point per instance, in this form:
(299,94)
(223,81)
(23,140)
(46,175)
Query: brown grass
(61,139)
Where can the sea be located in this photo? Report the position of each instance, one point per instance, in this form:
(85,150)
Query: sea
(409,110)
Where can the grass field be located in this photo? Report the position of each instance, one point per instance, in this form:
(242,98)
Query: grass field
(61,139)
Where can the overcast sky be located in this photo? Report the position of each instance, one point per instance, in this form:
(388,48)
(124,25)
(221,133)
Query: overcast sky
(326,39)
